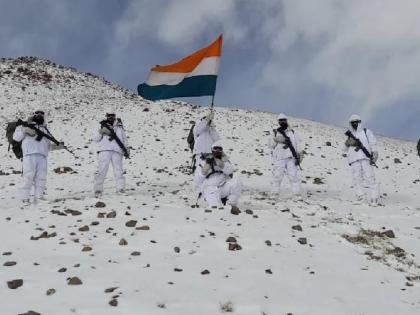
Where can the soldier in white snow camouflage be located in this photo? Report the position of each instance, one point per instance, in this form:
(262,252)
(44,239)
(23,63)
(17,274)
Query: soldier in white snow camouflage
(205,135)
(361,164)
(35,154)
(283,157)
(215,179)
(109,152)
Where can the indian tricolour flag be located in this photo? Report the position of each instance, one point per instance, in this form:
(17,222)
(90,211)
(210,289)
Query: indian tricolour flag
(195,75)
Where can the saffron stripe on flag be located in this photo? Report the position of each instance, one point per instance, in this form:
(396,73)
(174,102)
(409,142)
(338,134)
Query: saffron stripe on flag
(208,66)
(189,63)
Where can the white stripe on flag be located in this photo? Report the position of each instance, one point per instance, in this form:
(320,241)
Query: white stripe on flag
(208,66)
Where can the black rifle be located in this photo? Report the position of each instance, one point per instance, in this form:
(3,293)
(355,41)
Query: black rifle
(40,134)
(360,145)
(288,144)
(114,136)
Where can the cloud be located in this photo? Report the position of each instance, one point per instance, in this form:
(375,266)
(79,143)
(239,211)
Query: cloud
(365,54)
(179,23)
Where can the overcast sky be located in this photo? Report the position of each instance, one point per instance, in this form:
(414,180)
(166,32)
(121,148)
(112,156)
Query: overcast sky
(321,60)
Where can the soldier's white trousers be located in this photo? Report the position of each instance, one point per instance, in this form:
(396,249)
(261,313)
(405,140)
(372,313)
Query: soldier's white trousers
(34,175)
(104,159)
(282,167)
(231,190)
(364,176)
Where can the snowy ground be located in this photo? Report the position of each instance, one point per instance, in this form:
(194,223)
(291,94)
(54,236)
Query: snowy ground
(347,266)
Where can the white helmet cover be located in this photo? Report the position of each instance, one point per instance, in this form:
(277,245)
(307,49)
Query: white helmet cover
(355,117)
(217,144)
(110,111)
(282,116)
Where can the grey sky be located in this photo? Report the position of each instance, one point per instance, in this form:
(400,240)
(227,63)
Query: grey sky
(321,60)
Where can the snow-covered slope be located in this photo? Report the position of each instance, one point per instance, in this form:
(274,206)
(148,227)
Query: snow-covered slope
(347,265)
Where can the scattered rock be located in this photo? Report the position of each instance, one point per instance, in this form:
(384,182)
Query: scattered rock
(72,212)
(235,210)
(30,313)
(318,181)
(389,233)
(302,240)
(100,204)
(297,228)
(14,284)
(143,228)
(62,269)
(84,228)
(328,143)
(234,246)
(63,170)
(135,253)
(249,211)
(205,272)
(268,271)
(86,249)
(110,290)
(131,223)
(50,292)
(177,269)
(177,249)
(74,281)
(111,215)
(397,161)
(43,235)
(227,307)
(231,239)
(9,263)
(113,302)
(268,242)
(123,242)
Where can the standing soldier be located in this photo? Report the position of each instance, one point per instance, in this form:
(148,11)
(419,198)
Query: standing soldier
(286,154)
(112,146)
(36,143)
(362,155)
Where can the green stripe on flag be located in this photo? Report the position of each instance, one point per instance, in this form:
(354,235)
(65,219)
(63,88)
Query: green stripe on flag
(201,85)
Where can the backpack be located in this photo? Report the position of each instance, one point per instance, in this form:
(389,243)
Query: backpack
(16,145)
(190,138)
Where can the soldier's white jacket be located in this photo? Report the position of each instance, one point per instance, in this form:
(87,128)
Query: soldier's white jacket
(104,143)
(204,136)
(368,140)
(219,176)
(278,152)
(29,144)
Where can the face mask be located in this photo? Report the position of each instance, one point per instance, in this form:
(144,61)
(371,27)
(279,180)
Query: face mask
(38,119)
(110,119)
(355,124)
(218,153)
(283,125)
